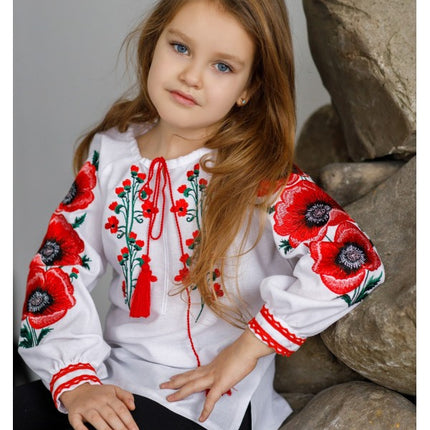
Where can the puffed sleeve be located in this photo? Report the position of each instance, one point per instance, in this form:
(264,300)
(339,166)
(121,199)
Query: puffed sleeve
(334,266)
(61,336)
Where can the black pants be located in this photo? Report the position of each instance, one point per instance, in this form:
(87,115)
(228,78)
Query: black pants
(33,409)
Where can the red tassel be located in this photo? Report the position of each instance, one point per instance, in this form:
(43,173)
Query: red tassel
(141,299)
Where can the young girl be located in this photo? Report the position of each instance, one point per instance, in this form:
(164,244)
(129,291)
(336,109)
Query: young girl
(223,254)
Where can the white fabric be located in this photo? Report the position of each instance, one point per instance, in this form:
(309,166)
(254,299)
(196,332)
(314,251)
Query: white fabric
(140,353)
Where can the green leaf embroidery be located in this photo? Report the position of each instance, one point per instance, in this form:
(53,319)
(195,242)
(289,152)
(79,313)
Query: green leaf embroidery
(43,333)
(27,342)
(271,210)
(286,246)
(85,261)
(95,160)
(78,221)
(370,285)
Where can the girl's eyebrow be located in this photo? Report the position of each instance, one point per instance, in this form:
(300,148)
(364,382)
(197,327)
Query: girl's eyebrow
(183,36)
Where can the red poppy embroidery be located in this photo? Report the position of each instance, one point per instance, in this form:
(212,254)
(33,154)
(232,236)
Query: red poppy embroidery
(112,224)
(49,296)
(148,209)
(304,213)
(80,194)
(342,264)
(180,207)
(61,245)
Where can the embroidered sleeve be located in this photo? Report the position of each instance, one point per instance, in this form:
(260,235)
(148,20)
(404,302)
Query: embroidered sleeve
(61,337)
(335,266)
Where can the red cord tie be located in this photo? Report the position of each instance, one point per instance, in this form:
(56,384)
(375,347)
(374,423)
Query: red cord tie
(141,300)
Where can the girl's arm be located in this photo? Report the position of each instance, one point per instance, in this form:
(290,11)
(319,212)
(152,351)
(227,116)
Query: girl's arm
(61,336)
(327,267)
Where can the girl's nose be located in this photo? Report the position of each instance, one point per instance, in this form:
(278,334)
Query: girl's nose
(191,75)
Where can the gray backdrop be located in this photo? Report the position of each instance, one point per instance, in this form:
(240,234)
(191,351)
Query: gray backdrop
(66,74)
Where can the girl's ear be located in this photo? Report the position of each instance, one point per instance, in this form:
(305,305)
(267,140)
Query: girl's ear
(247,94)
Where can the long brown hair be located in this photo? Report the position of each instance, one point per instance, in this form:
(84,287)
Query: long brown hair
(254,143)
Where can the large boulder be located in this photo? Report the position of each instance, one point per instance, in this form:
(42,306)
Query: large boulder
(353,406)
(311,369)
(365,53)
(377,339)
(347,182)
(320,142)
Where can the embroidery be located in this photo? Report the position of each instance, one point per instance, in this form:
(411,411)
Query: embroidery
(267,339)
(80,194)
(304,213)
(49,296)
(344,263)
(50,293)
(69,369)
(128,212)
(278,327)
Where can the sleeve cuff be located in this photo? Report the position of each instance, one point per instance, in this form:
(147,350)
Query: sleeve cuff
(273,333)
(71,377)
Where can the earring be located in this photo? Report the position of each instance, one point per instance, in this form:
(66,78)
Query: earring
(243,101)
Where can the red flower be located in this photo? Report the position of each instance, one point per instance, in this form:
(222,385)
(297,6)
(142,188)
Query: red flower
(304,213)
(80,194)
(61,245)
(191,242)
(342,264)
(112,224)
(134,169)
(203,182)
(190,173)
(218,290)
(113,206)
(148,209)
(183,273)
(119,190)
(126,183)
(141,176)
(180,207)
(182,188)
(48,297)
(132,235)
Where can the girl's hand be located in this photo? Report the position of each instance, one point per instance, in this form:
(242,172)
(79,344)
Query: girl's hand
(226,370)
(106,407)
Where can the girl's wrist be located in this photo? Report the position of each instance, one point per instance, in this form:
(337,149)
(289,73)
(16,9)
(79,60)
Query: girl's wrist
(253,346)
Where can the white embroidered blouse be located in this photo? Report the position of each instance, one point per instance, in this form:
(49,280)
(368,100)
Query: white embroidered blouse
(311,267)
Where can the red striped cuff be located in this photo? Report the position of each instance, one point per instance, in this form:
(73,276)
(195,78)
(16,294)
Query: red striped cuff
(274,334)
(71,377)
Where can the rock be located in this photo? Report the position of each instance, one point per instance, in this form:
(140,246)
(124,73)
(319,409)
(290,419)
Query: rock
(311,369)
(347,182)
(365,53)
(297,401)
(355,406)
(377,339)
(320,142)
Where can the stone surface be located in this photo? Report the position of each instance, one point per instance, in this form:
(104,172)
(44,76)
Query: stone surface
(355,406)
(311,369)
(320,142)
(377,339)
(297,401)
(365,53)
(347,182)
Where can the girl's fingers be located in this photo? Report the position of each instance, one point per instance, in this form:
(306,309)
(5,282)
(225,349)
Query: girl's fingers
(76,422)
(212,397)
(122,418)
(126,397)
(191,387)
(178,381)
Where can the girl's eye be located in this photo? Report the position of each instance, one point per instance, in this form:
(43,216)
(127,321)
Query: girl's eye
(222,67)
(180,48)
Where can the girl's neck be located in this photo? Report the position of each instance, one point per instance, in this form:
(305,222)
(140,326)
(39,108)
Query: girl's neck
(164,141)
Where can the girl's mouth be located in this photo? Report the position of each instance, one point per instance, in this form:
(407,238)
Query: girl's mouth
(183,98)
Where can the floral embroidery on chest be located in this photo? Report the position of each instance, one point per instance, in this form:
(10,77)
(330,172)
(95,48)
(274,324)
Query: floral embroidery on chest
(50,291)
(142,199)
(342,255)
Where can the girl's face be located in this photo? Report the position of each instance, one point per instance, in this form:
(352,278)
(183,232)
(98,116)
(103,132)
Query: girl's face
(200,68)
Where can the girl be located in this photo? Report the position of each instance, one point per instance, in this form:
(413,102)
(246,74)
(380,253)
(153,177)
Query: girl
(223,255)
